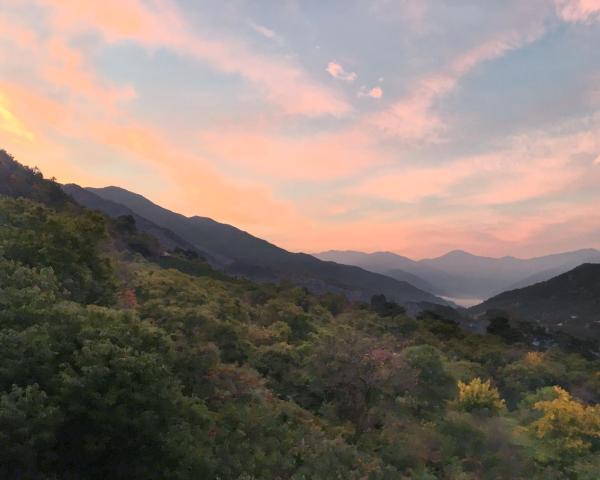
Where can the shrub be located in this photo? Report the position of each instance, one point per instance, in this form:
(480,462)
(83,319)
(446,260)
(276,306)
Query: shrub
(479,395)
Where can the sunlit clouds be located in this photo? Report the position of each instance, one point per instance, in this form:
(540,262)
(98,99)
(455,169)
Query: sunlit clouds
(337,71)
(483,135)
(375,92)
(10,124)
(578,10)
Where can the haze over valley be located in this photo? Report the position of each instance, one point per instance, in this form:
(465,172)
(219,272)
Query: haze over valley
(465,278)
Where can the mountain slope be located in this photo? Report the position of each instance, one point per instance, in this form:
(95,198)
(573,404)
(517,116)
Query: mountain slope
(92,201)
(243,254)
(568,302)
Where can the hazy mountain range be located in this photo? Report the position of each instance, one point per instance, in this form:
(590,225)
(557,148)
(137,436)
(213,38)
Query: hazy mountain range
(461,275)
(236,252)
(458,275)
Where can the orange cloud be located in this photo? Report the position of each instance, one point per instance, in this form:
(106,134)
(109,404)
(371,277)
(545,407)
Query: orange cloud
(52,124)
(53,62)
(66,67)
(201,189)
(151,23)
(9,122)
(50,105)
(319,156)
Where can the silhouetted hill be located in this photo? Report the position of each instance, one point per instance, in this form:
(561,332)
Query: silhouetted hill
(16,181)
(569,302)
(242,254)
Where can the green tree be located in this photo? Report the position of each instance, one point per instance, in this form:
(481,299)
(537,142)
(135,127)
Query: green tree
(434,384)
(38,237)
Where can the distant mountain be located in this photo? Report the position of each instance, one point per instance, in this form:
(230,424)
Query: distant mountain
(484,276)
(459,274)
(569,302)
(386,263)
(238,253)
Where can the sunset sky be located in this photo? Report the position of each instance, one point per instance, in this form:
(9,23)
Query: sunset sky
(416,126)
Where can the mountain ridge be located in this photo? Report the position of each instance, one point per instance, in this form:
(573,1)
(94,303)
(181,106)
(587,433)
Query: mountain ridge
(241,254)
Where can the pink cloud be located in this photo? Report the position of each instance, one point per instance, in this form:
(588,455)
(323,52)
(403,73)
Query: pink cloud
(66,67)
(337,71)
(414,118)
(60,99)
(578,10)
(414,184)
(531,166)
(375,92)
(264,31)
(480,229)
(158,24)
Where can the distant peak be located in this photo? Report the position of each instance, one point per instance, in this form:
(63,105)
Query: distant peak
(112,188)
(338,252)
(458,253)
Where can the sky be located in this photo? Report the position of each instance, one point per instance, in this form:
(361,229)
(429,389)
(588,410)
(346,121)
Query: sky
(412,126)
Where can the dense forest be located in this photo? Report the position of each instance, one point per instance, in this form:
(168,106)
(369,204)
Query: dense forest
(120,360)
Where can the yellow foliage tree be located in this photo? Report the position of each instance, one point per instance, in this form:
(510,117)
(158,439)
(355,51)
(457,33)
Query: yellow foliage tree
(568,428)
(479,395)
(534,358)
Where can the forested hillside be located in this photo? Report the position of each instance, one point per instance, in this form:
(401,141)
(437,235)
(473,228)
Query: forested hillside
(113,366)
(569,302)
